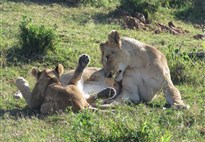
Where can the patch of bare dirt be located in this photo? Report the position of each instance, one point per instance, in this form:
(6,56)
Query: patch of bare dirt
(170,28)
(135,21)
(199,36)
(140,22)
(202,131)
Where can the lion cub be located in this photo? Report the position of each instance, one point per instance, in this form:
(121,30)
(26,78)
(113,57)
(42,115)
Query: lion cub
(50,95)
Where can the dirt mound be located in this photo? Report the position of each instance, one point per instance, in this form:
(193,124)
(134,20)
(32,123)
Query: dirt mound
(171,28)
(199,36)
(135,21)
(138,21)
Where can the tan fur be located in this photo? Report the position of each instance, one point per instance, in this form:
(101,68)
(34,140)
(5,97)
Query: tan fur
(50,95)
(140,69)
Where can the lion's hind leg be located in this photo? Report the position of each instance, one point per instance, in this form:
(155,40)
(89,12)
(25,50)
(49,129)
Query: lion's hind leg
(107,95)
(23,85)
(173,95)
(82,63)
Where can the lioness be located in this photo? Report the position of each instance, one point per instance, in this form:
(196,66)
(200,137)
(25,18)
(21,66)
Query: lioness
(50,95)
(140,69)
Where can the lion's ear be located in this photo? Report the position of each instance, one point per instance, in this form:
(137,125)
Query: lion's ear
(34,72)
(102,47)
(114,38)
(59,69)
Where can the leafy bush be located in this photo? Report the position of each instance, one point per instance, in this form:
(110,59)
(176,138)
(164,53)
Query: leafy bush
(176,3)
(194,11)
(35,39)
(143,6)
(199,9)
(149,7)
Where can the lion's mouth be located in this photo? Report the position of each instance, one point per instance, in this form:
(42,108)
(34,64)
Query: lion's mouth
(110,75)
(114,75)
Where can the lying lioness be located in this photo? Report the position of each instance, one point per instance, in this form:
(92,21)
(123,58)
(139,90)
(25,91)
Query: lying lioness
(50,95)
(140,69)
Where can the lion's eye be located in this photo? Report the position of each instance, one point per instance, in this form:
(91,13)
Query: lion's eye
(112,52)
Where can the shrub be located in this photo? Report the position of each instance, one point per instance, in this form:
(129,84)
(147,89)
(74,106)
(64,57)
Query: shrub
(143,6)
(35,39)
(194,11)
(199,9)
(149,7)
(176,3)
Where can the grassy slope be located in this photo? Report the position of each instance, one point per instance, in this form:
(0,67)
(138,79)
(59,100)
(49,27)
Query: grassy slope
(80,32)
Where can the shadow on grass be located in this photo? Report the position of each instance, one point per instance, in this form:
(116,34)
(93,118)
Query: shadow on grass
(154,105)
(45,2)
(131,136)
(157,106)
(14,57)
(102,18)
(21,113)
(111,17)
(194,13)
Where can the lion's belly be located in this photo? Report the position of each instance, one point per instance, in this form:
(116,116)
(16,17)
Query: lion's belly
(145,84)
(91,87)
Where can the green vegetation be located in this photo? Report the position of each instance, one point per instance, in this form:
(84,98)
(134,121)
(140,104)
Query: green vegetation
(185,9)
(180,64)
(142,6)
(80,30)
(35,39)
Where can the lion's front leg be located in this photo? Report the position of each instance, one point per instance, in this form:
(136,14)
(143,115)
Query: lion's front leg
(23,85)
(129,96)
(82,63)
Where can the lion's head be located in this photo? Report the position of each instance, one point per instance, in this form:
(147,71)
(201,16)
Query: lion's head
(113,57)
(44,78)
(48,75)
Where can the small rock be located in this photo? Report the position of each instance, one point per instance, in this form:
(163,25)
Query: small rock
(157,31)
(131,22)
(199,36)
(140,16)
(202,131)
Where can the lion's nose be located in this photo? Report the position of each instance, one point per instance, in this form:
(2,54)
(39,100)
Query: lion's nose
(110,75)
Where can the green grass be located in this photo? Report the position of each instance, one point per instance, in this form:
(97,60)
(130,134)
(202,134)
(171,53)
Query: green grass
(80,30)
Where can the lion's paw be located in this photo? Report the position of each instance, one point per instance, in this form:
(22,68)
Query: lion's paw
(180,106)
(21,83)
(18,95)
(84,60)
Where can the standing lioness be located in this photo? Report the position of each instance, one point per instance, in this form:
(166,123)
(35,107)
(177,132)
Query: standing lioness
(141,69)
